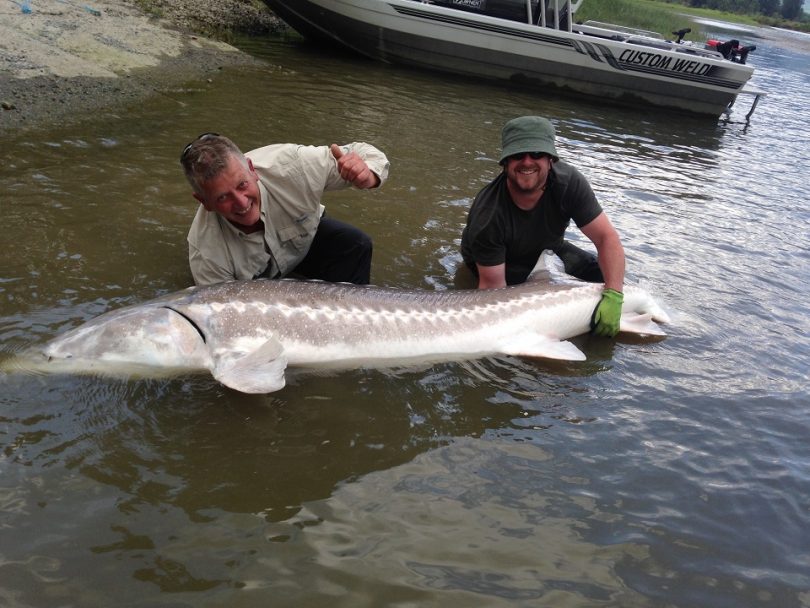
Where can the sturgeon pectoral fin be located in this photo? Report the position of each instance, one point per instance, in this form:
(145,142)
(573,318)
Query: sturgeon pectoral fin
(640,324)
(259,371)
(547,348)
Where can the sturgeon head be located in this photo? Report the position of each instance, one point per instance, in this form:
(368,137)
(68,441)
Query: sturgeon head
(143,337)
(192,330)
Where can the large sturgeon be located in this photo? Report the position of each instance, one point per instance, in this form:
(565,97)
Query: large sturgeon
(247,332)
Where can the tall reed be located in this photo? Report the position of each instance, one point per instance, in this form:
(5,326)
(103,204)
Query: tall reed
(656,17)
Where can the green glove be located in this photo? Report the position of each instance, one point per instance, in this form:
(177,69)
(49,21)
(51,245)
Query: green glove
(607,314)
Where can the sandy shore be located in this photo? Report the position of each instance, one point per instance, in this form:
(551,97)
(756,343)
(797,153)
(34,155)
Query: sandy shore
(61,60)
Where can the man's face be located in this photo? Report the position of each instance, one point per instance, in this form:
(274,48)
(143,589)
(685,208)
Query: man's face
(525,174)
(234,194)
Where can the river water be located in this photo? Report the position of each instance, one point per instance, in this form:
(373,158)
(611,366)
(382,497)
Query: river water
(673,472)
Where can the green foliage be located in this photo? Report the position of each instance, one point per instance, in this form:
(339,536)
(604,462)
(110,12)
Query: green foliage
(791,9)
(769,7)
(656,17)
(665,16)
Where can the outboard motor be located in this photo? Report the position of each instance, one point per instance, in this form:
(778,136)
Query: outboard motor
(514,10)
(741,54)
(731,49)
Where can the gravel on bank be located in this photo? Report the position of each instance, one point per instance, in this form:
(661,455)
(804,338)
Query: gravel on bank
(62,62)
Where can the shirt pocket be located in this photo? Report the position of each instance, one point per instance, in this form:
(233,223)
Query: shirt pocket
(299,233)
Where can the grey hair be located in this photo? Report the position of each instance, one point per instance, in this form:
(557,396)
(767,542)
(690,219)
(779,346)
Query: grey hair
(206,157)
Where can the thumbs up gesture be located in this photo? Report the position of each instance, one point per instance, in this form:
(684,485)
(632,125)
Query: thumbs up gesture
(354,169)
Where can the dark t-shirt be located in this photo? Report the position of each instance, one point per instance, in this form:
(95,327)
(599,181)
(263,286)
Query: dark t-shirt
(499,232)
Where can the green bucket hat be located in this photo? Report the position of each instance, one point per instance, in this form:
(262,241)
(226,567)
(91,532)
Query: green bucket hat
(528,134)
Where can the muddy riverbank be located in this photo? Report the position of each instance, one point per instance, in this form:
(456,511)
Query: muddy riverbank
(62,61)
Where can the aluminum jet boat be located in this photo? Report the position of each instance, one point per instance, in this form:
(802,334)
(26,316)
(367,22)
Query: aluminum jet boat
(533,43)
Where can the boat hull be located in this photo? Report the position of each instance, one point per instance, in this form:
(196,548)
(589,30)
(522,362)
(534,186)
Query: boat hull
(433,37)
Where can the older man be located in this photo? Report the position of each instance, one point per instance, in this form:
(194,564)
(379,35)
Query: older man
(261,215)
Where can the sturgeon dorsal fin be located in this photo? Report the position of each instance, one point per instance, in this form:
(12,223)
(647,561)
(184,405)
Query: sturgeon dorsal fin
(259,371)
(550,269)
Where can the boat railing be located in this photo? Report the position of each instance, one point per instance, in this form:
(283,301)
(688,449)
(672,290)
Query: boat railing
(621,30)
(666,45)
(654,40)
(697,50)
(556,14)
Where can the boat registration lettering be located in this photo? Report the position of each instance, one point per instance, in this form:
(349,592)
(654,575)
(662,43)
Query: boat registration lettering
(654,60)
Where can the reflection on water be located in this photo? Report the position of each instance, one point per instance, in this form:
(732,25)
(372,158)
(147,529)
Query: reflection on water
(657,472)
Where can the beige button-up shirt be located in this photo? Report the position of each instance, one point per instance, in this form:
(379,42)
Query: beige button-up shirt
(292,180)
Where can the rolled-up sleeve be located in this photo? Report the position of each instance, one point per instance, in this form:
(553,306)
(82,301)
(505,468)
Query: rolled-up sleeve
(375,159)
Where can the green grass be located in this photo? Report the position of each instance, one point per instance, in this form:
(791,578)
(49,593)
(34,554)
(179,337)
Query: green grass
(654,16)
(666,17)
